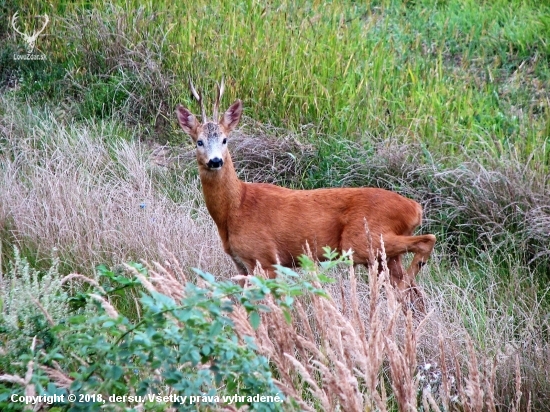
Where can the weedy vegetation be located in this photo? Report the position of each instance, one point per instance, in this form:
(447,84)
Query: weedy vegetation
(444,102)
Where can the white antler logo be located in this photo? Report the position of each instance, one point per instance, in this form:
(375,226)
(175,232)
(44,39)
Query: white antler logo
(30,40)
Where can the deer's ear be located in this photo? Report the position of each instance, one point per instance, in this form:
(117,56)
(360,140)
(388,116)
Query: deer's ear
(231,117)
(187,121)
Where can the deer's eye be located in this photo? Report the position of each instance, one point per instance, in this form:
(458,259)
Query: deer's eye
(200,143)
(224,141)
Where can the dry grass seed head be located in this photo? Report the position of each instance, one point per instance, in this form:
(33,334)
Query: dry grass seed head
(83,278)
(473,388)
(109,309)
(58,377)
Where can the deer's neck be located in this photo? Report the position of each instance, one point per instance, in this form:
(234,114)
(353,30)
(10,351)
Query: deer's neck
(222,191)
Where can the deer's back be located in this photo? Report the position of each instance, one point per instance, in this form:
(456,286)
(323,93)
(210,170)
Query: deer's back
(274,217)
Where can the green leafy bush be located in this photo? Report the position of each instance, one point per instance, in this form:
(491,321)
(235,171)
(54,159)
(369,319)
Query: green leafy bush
(182,350)
(30,302)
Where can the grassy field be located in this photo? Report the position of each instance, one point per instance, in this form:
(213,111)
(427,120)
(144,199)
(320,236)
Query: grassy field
(445,102)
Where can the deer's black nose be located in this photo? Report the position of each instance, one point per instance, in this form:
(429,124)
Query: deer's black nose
(215,163)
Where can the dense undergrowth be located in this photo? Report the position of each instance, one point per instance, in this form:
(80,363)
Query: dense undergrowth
(444,102)
(455,76)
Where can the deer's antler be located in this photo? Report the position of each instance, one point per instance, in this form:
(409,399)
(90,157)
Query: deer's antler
(31,40)
(13,24)
(218,99)
(198,96)
(46,21)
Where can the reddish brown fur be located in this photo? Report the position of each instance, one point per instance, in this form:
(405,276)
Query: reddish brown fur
(267,224)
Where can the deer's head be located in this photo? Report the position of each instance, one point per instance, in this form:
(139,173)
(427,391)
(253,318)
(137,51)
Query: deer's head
(30,40)
(210,136)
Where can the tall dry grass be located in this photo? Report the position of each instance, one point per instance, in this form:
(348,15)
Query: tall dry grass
(358,350)
(96,198)
(506,317)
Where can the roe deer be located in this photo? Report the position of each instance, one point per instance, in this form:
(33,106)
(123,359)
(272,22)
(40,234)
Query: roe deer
(267,224)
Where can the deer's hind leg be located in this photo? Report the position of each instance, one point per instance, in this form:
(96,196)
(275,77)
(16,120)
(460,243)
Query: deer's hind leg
(367,254)
(421,246)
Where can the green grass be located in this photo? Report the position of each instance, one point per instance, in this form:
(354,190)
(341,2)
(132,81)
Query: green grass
(456,76)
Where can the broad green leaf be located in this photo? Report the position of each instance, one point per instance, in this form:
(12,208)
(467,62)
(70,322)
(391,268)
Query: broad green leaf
(254,320)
